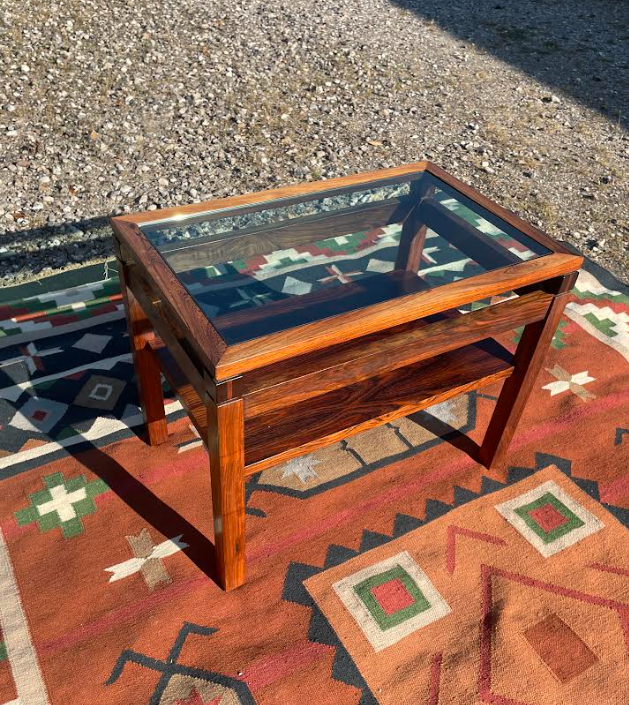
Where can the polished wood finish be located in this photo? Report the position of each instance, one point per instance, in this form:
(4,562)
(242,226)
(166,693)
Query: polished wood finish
(225,442)
(528,360)
(250,355)
(296,428)
(291,390)
(331,368)
(291,431)
(241,244)
(185,392)
(168,334)
(134,248)
(229,361)
(147,371)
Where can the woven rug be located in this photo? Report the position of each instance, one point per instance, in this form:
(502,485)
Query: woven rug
(388,568)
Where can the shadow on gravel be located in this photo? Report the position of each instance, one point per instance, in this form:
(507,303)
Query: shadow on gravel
(52,240)
(576,47)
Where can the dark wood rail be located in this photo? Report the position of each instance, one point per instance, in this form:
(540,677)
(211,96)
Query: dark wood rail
(325,370)
(260,240)
(465,237)
(296,429)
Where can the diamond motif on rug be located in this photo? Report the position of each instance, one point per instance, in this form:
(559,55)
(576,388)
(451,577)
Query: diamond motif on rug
(381,266)
(520,629)
(38,415)
(100,392)
(92,342)
(549,519)
(296,287)
(391,599)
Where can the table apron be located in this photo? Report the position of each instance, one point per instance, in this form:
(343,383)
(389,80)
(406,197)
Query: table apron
(396,351)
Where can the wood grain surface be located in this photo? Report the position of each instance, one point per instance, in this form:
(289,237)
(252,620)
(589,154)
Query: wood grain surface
(291,431)
(303,377)
(249,355)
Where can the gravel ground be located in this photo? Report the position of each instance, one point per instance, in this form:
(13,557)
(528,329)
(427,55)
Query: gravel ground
(109,106)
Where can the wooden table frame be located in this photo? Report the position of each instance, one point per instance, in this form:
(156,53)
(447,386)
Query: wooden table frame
(263,401)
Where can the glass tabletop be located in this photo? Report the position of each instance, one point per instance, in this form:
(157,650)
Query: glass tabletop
(265,268)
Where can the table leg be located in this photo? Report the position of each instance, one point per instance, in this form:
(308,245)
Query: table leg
(226,450)
(147,372)
(411,247)
(528,359)
(413,235)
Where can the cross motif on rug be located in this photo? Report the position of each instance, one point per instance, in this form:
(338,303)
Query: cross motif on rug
(337,275)
(31,357)
(248,299)
(148,559)
(62,504)
(572,382)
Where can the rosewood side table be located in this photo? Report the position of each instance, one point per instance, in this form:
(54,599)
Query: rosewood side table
(290,319)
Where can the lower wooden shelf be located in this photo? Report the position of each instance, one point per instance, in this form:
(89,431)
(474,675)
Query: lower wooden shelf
(285,433)
(292,431)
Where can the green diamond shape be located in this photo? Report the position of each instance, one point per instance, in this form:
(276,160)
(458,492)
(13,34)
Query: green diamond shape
(548,537)
(388,621)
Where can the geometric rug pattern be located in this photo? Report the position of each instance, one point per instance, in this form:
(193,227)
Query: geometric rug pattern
(389,567)
(519,626)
